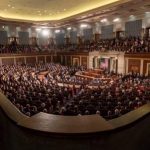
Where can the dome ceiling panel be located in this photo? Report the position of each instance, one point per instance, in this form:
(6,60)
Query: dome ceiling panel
(42,10)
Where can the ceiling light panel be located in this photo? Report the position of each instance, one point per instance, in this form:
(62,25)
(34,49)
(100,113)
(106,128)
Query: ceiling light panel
(49,10)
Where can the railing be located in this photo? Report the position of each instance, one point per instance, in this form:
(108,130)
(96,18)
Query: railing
(70,124)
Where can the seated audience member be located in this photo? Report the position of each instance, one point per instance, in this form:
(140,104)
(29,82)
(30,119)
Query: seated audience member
(55,89)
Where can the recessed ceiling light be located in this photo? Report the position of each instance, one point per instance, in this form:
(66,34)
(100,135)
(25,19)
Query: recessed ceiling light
(64,9)
(45,32)
(9,5)
(83,25)
(57,31)
(38,29)
(116,20)
(69,28)
(104,20)
(12,7)
(44,27)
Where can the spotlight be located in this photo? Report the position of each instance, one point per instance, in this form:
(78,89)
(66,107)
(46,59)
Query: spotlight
(57,31)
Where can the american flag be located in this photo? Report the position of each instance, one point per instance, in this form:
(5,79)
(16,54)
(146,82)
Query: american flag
(104,63)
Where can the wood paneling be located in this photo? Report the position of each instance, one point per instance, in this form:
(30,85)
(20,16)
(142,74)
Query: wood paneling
(134,65)
(138,55)
(63,60)
(136,60)
(7,61)
(73,53)
(54,59)
(41,59)
(30,60)
(68,60)
(145,66)
(84,61)
(20,60)
(48,59)
(58,59)
(75,60)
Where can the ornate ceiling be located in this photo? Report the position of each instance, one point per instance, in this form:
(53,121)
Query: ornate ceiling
(42,10)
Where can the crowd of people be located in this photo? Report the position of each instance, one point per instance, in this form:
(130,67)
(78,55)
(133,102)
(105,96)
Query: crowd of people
(42,88)
(127,45)
(9,48)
